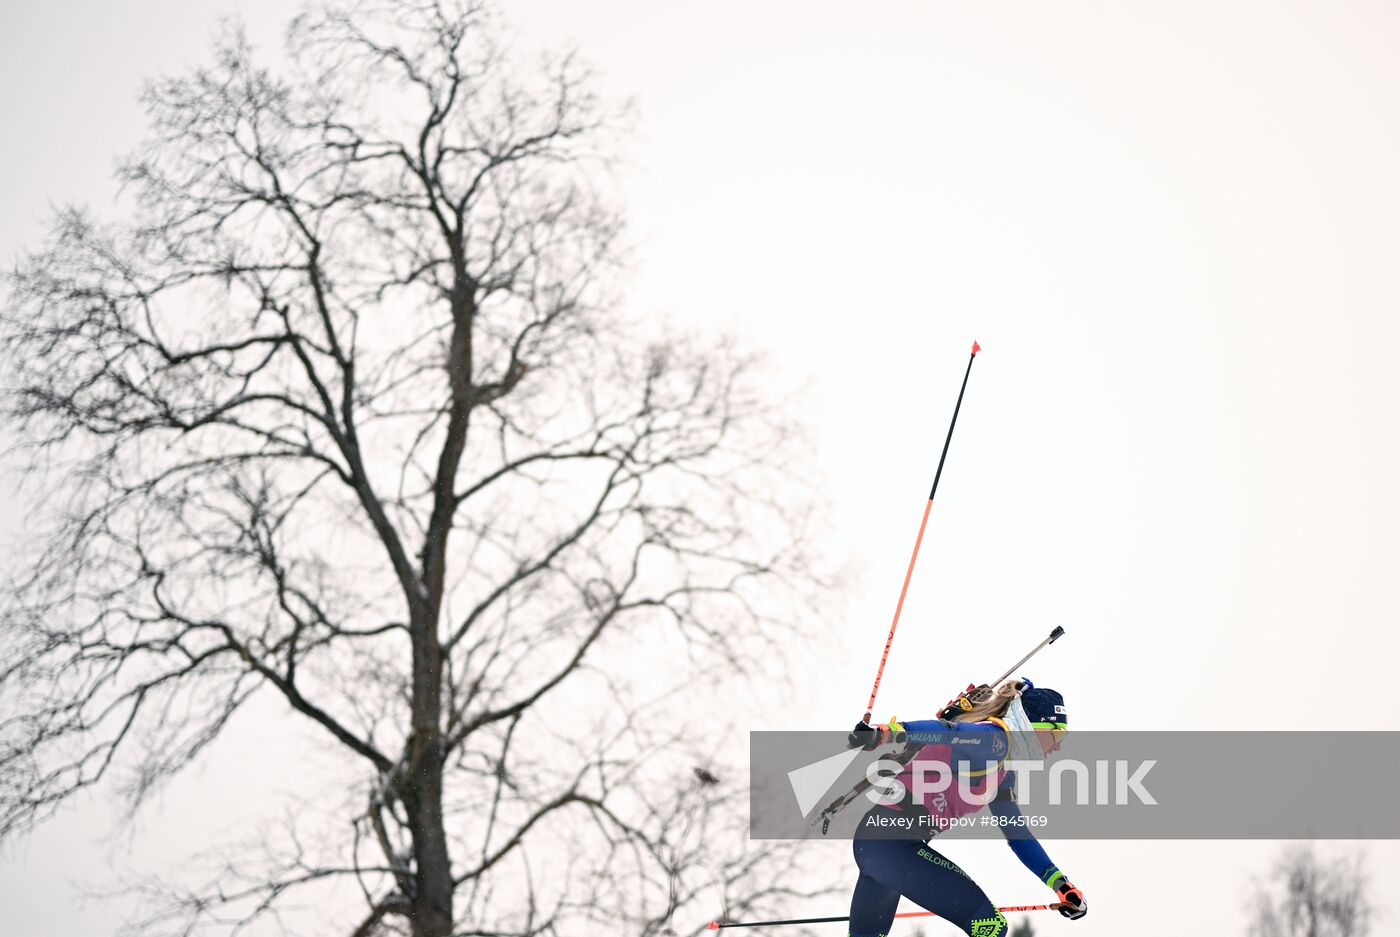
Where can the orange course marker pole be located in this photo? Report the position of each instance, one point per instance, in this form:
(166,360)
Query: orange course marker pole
(923,523)
(718,925)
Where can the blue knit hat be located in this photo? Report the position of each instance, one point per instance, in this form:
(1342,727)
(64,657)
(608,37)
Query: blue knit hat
(1043,704)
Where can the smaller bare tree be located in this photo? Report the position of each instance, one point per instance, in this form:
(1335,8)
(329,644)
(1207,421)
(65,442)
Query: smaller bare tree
(1312,896)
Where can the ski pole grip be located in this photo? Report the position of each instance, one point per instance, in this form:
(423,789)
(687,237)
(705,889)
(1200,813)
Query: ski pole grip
(1058,633)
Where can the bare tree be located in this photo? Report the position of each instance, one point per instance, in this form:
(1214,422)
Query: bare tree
(1312,897)
(340,414)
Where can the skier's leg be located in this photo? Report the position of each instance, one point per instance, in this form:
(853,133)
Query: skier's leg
(922,874)
(872,905)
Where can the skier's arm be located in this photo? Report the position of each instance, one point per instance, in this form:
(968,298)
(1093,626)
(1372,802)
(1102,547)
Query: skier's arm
(1032,855)
(978,741)
(1022,842)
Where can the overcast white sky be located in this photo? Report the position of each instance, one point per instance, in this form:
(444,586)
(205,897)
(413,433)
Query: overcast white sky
(1173,227)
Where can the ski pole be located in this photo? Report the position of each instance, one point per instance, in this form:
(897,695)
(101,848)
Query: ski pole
(908,573)
(717,925)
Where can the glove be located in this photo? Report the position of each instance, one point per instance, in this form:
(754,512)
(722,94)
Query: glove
(869,737)
(1072,903)
(863,736)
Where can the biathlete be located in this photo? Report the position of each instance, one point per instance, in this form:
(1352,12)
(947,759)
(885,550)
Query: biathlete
(982,735)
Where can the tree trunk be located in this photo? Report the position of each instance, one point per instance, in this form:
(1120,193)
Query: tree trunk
(432,900)
(432,903)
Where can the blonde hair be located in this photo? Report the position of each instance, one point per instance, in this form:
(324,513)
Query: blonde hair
(988,703)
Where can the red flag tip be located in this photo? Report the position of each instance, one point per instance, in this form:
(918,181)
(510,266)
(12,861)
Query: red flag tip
(714,925)
(976,347)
